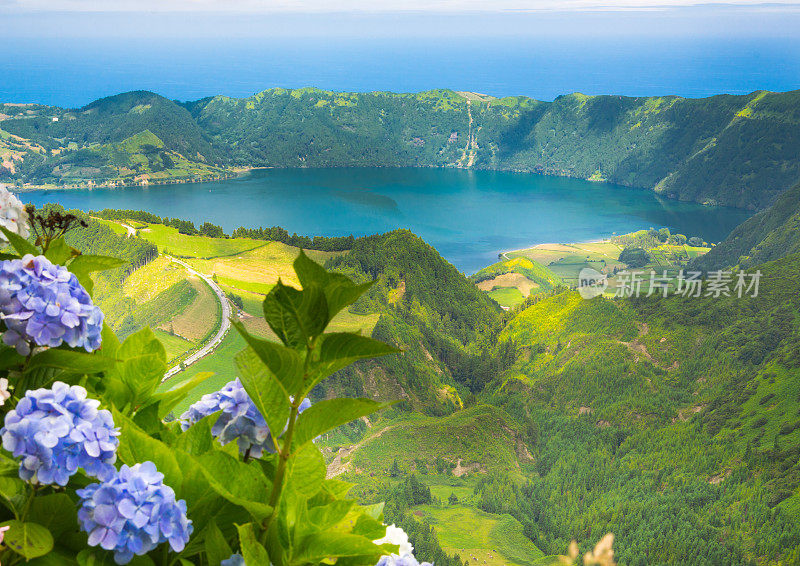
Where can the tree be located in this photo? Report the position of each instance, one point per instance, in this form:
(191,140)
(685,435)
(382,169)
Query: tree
(395,470)
(453,499)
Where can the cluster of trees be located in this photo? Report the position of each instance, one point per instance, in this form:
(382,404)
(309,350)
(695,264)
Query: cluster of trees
(278,234)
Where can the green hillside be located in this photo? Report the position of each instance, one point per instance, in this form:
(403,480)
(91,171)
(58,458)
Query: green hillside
(732,150)
(130,138)
(771,234)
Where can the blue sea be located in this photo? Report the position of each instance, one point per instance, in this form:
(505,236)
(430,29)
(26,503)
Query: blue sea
(72,72)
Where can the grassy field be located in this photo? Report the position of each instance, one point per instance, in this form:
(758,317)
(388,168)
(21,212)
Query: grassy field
(170,241)
(567,260)
(507,296)
(480,538)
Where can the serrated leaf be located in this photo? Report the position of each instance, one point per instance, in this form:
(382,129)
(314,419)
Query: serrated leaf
(284,363)
(56,512)
(84,264)
(265,390)
(327,415)
(29,540)
(340,349)
(296,316)
(339,290)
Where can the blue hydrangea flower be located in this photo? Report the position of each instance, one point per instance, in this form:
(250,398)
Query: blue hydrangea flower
(44,304)
(405,560)
(240,419)
(56,431)
(133,512)
(234,560)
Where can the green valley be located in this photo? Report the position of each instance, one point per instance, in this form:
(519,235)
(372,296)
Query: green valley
(518,431)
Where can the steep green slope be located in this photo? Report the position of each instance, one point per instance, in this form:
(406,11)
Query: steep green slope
(771,234)
(429,309)
(122,137)
(734,150)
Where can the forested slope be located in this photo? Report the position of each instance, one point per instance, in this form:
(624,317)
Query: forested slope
(771,234)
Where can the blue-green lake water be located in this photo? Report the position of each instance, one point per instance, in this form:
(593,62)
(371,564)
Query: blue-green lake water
(468,216)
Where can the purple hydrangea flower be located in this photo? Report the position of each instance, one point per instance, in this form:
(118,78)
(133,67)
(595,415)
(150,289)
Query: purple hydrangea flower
(44,304)
(240,419)
(234,560)
(133,512)
(58,430)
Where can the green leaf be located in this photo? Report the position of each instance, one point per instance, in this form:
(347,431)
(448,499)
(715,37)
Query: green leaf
(169,399)
(56,512)
(284,363)
(296,316)
(331,544)
(30,540)
(59,252)
(136,446)
(216,547)
(59,556)
(98,557)
(252,550)
(340,349)
(71,361)
(326,516)
(339,290)
(197,440)
(305,471)
(239,483)
(327,415)
(19,243)
(265,390)
(141,367)
(85,264)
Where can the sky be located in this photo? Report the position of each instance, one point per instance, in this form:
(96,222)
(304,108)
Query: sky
(268,6)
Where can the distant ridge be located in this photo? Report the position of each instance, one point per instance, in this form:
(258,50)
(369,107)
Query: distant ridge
(736,150)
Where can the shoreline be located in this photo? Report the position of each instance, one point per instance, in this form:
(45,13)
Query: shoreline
(239,171)
(235,173)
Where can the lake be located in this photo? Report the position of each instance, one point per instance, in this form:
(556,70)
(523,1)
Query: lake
(468,216)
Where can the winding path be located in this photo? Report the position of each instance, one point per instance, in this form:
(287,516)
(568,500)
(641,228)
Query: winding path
(223,329)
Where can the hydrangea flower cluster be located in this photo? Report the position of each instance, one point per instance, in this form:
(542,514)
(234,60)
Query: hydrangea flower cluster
(240,419)
(396,535)
(13,215)
(234,560)
(133,512)
(58,430)
(44,304)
